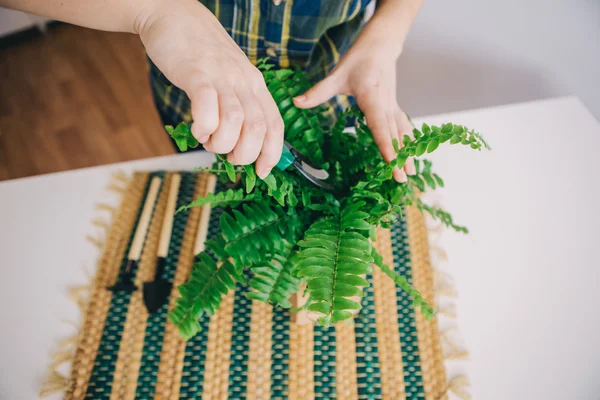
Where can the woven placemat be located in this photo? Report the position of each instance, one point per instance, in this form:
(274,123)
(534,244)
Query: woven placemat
(248,349)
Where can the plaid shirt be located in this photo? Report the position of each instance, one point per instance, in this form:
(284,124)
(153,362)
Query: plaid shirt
(311,34)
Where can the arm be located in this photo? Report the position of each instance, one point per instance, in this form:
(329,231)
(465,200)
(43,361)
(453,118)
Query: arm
(368,72)
(106,15)
(232,108)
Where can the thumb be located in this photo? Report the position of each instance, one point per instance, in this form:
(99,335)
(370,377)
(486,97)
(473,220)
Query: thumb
(320,93)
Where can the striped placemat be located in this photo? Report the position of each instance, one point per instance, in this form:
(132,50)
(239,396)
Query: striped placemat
(248,349)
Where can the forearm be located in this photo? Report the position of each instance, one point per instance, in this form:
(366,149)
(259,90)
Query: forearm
(391,23)
(107,15)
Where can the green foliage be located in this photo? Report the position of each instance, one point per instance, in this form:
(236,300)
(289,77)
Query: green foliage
(286,232)
(273,281)
(182,135)
(254,233)
(202,293)
(226,198)
(418,300)
(335,253)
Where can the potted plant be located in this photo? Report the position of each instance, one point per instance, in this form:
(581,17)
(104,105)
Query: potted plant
(287,234)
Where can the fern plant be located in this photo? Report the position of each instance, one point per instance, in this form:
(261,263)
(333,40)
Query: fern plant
(289,234)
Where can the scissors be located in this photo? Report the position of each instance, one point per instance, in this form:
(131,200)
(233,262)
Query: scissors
(291,157)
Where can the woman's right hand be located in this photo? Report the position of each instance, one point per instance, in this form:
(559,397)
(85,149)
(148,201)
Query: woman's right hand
(232,109)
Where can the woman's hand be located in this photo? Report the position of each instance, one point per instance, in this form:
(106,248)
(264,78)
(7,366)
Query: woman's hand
(368,72)
(232,109)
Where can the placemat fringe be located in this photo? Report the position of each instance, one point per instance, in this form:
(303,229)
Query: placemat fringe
(119,183)
(457,385)
(96,241)
(105,207)
(443,287)
(56,382)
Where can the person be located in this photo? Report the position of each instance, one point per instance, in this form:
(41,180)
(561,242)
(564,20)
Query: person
(203,54)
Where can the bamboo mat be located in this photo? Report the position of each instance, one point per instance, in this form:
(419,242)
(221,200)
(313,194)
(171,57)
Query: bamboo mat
(249,350)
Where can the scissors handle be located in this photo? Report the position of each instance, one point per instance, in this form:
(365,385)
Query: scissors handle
(287,158)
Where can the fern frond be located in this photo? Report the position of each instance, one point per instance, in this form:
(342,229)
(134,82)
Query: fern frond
(418,300)
(439,214)
(253,234)
(182,135)
(202,293)
(335,254)
(227,198)
(303,128)
(273,281)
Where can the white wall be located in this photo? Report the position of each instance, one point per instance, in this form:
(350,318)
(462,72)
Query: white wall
(465,54)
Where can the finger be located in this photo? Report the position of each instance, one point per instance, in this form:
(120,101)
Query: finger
(269,154)
(254,128)
(231,117)
(405,128)
(273,143)
(205,111)
(371,104)
(388,92)
(321,92)
(398,174)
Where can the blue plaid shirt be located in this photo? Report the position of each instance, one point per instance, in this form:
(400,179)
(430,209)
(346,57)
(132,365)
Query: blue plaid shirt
(310,34)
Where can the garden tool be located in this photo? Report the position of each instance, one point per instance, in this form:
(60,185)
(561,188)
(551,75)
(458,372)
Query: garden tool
(125,283)
(291,157)
(157,292)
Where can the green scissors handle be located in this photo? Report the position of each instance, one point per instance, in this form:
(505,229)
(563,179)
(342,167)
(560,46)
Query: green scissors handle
(291,157)
(287,158)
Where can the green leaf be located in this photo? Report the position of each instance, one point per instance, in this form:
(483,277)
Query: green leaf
(201,294)
(455,139)
(270,181)
(439,180)
(182,136)
(273,281)
(401,281)
(447,128)
(395,144)
(421,147)
(250,177)
(401,160)
(432,145)
(429,180)
(230,170)
(226,198)
(426,128)
(252,234)
(334,255)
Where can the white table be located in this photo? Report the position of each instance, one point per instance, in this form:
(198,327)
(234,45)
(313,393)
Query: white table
(527,274)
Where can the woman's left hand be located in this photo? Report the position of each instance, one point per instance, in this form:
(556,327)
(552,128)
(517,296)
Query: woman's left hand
(368,72)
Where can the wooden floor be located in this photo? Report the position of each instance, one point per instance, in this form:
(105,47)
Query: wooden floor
(75,98)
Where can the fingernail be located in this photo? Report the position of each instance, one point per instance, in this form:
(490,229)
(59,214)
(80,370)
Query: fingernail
(300,98)
(203,139)
(263,173)
(410,169)
(400,175)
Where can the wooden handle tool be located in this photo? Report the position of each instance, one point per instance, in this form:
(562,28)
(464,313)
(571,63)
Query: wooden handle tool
(157,292)
(125,283)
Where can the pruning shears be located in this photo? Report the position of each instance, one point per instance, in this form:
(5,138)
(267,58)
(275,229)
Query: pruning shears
(291,157)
